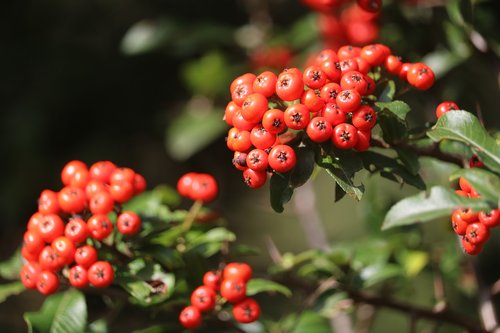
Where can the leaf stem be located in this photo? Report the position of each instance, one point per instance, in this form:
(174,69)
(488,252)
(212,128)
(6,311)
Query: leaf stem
(191,216)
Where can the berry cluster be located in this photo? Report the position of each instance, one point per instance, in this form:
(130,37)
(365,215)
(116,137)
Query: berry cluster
(71,224)
(231,285)
(472,226)
(198,186)
(330,101)
(345,22)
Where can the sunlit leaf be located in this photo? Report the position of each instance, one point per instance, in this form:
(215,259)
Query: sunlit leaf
(256,286)
(424,207)
(465,127)
(60,313)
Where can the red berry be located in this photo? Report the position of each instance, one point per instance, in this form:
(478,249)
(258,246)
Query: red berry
(329,92)
(128,223)
(319,129)
(50,227)
(139,183)
(312,100)
(334,114)
(99,226)
(204,188)
(348,52)
(120,175)
(70,169)
(185,184)
(76,230)
(468,215)
(374,54)
(65,249)
(314,77)
(477,233)
(297,116)
(121,191)
(254,179)
(246,311)
(212,279)
(282,158)
(48,203)
(393,64)
(420,76)
(265,83)
(240,160)
(33,241)
(237,271)
(101,171)
(273,121)
(85,256)
(101,274)
(203,298)
(253,108)
(78,277)
(47,282)
(257,159)
(345,136)
(233,290)
(364,138)
(261,138)
(354,80)
(29,274)
(101,203)
(364,118)
(95,186)
(72,199)
(464,185)
(444,107)
(190,317)
(49,259)
(290,85)
(471,248)
(490,219)
(348,100)
(457,223)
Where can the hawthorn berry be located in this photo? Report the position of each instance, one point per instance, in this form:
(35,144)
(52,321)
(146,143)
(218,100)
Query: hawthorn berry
(78,276)
(297,116)
(101,171)
(70,169)
(203,298)
(233,290)
(85,256)
(490,219)
(204,188)
(100,226)
(420,76)
(290,85)
(101,274)
(364,118)
(190,317)
(29,274)
(477,233)
(348,100)
(72,199)
(246,311)
(319,129)
(76,230)
(253,178)
(282,158)
(345,136)
(265,83)
(212,279)
(237,270)
(48,203)
(273,121)
(128,223)
(444,107)
(257,160)
(47,282)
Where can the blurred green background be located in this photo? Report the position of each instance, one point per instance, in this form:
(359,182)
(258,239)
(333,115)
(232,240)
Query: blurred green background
(145,83)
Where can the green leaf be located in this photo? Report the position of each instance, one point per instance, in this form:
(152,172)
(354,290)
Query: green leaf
(486,183)
(398,108)
(413,262)
(379,272)
(98,326)
(342,177)
(312,322)
(303,168)
(9,269)
(390,168)
(409,159)
(10,289)
(394,129)
(465,127)
(387,94)
(280,191)
(194,129)
(455,148)
(60,313)
(423,207)
(256,286)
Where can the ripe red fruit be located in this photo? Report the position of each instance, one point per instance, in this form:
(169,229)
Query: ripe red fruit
(48,203)
(76,230)
(290,85)
(190,317)
(233,290)
(265,83)
(364,118)
(334,114)
(314,77)
(237,271)
(70,169)
(348,65)
(120,175)
(393,64)
(254,179)
(345,136)
(471,248)
(297,116)
(257,159)
(78,277)
(364,138)
(185,184)
(457,223)
(239,160)
(282,158)
(128,223)
(374,54)
(65,249)
(354,80)
(348,100)
(261,138)
(464,185)
(273,121)
(444,107)
(50,227)
(420,76)
(80,178)
(101,203)
(212,279)
(490,219)
(319,129)
(312,100)
(99,226)
(102,170)
(477,233)
(468,215)
(101,274)
(35,220)
(49,259)
(95,186)
(203,298)
(348,52)
(121,191)
(72,199)
(33,241)
(329,92)
(139,183)
(231,109)
(239,140)
(47,282)
(29,274)
(204,188)
(253,108)
(85,256)
(246,311)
